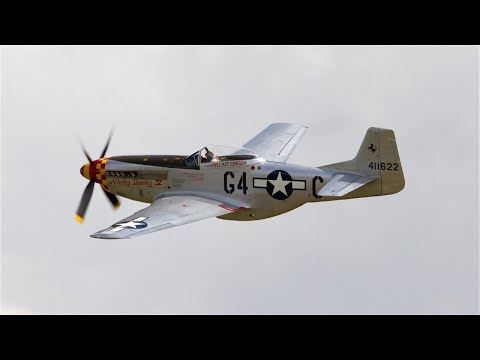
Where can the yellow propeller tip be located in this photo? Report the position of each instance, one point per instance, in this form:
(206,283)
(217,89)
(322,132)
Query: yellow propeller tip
(78,218)
(117,205)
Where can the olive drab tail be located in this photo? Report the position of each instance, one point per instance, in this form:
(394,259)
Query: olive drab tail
(377,157)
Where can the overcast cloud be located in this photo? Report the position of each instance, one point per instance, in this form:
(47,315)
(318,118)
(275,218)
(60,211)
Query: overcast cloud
(413,252)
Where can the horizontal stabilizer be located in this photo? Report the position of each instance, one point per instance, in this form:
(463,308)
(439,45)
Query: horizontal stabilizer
(342,184)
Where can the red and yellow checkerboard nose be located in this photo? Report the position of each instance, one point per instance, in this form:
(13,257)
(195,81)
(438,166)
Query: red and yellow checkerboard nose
(95,171)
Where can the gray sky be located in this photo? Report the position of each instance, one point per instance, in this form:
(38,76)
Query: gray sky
(413,252)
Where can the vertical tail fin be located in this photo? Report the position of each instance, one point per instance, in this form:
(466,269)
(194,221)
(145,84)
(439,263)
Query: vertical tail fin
(378,156)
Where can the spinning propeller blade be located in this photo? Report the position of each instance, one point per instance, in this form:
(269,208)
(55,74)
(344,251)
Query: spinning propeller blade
(113,199)
(82,208)
(106,145)
(87,193)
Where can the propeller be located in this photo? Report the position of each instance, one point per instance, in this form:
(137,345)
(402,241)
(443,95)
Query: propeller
(87,193)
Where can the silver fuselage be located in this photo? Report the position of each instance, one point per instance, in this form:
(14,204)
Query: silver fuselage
(262,188)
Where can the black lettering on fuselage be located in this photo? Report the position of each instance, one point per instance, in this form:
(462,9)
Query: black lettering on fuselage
(314,186)
(226,186)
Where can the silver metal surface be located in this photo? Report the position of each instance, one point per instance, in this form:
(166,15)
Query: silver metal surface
(245,184)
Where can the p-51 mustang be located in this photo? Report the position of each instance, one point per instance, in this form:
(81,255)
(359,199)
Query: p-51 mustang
(252,182)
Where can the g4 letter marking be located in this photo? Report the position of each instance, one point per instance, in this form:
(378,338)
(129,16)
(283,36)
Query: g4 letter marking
(242,184)
(230,188)
(227,186)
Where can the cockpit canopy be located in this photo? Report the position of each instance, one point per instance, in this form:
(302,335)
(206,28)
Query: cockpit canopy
(218,153)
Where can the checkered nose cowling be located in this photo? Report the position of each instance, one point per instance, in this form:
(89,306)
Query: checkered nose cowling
(95,171)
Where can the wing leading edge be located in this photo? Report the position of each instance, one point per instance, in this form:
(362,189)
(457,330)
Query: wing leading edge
(165,213)
(277,142)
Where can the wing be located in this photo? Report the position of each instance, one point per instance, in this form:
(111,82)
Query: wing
(165,213)
(342,184)
(277,141)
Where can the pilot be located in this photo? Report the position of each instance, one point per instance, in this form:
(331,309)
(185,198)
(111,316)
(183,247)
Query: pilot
(208,156)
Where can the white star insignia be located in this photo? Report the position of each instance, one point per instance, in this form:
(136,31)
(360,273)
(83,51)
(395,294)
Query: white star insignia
(131,224)
(279,184)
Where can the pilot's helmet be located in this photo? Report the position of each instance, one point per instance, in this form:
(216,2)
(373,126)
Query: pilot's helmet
(209,155)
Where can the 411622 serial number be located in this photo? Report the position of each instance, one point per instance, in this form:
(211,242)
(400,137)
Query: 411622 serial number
(383,166)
